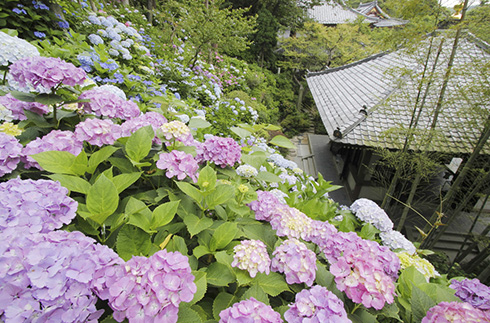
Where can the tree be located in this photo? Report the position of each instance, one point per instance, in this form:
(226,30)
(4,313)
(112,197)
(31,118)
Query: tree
(478,21)
(264,40)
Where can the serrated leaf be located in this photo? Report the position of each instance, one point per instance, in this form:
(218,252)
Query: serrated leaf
(255,159)
(207,178)
(22,96)
(220,195)
(219,275)
(102,199)
(198,123)
(187,314)
(164,214)
(242,133)
(268,177)
(131,241)
(242,276)
(421,303)
(138,214)
(191,191)
(368,232)
(200,251)
(223,235)
(195,224)
(57,162)
(48,98)
(99,157)
(362,316)
(201,284)
(273,284)
(282,141)
(72,183)
(256,292)
(139,143)
(221,302)
(123,181)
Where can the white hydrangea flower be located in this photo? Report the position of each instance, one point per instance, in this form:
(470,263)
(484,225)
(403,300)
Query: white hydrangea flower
(369,212)
(13,48)
(247,171)
(395,240)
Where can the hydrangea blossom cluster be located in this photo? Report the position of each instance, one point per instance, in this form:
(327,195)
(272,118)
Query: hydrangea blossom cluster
(178,163)
(369,212)
(296,261)
(97,132)
(455,312)
(55,140)
(41,74)
(49,277)
(148,289)
(177,131)
(280,161)
(290,222)
(14,48)
(472,291)
(10,129)
(10,151)
(252,256)
(250,310)
(35,206)
(106,103)
(422,265)
(246,171)
(395,240)
(317,304)
(221,151)
(153,119)
(265,205)
(17,107)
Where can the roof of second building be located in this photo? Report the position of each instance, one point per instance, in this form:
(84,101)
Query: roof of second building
(332,13)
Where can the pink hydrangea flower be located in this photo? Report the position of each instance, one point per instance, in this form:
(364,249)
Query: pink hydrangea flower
(97,132)
(107,104)
(57,140)
(154,119)
(291,222)
(17,107)
(178,163)
(265,206)
(455,312)
(251,255)
(10,151)
(296,261)
(317,304)
(221,151)
(250,310)
(42,74)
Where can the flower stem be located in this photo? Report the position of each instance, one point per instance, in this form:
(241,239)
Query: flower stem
(355,308)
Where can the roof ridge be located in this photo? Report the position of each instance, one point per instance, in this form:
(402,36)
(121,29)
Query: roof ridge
(364,60)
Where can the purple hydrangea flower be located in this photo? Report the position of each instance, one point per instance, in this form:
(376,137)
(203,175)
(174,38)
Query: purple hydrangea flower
(178,163)
(107,104)
(10,151)
(97,132)
(296,261)
(221,151)
(17,107)
(35,206)
(251,255)
(49,277)
(455,312)
(57,140)
(369,212)
(148,289)
(473,292)
(155,119)
(41,74)
(317,304)
(291,222)
(265,206)
(177,131)
(250,310)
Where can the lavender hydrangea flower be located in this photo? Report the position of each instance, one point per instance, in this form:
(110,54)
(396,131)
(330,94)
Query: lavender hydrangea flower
(369,212)
(472,291)
(35,206)
(153,119)
(265,206)
(246,171)
(106,103)
(113,89)
(455,312)
(95,39)
(14,48)
(317,304)
(10,151)
(221,151)
(395,240)
(42,74)
(280,161)
(57,140)
(177,131)
(97,132)
(250,310)
(17,107)
(49,277)
(178,163)
(148,289)
(252,256)
(296,261)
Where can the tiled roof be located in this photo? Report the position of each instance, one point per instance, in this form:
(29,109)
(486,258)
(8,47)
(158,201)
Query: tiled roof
(332,13)
(376,83)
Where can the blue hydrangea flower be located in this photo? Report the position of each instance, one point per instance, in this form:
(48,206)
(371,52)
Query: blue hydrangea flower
(39,34)
(95,39)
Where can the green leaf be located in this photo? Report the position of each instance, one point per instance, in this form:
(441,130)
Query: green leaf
(48,99)
(123,181)
(100,156)
(123,164)
(255,159)
(242,133)
(219,274)
(195,224)
(368,232)
(273,284)
(220,195)
(79,166)
(207,178)
(223,235)
(138,214)
(164,214)
(224,258)
(72,183)
(282,141)
(362,316)
(439,293)
(139,143)
(132,241)
(201,284)
(421,303)
(22,96)
(191,191)
(256,292)
(102,199)
(242,276)
(221,302)
(177,244)
(268,177)
(409,277)
(198,123)
(61,162)
(187,314)
(200,251)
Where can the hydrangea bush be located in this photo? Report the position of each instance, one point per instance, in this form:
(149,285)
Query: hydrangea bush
(135,208)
